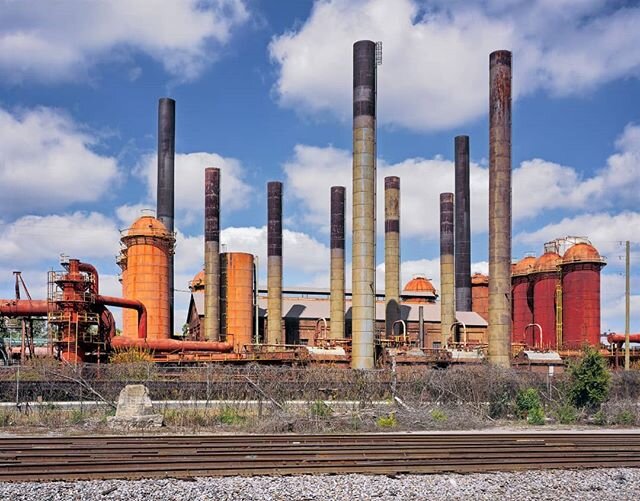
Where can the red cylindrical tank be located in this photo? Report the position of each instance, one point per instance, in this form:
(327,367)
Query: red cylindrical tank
(581,265)
(522,293)
(545,280)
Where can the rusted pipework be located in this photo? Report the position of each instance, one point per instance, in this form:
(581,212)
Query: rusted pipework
(131,304)
(391,251)
(274,263)
(172,345)
(336,299)
(23,308)
(499,330)
(462,225)
(447,272)
(620,338)
(534,334)
(364,205)
(89,268)
(212,254)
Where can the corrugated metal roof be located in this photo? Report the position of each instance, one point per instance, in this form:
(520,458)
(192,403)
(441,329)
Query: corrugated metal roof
(319,308)
(308,308)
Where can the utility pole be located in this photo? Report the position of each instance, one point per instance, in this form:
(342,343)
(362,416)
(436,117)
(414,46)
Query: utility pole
(627,300)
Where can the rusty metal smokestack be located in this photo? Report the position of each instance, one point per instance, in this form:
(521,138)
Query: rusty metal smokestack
(363,253)
(391,251)
(212,254)
(447,270)
(500,208)
(462,224)
(274,263)
(337,263)
(166,161)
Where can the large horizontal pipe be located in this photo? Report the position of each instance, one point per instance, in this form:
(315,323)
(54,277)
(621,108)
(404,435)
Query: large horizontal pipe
(620,338)
(23,308)
(172,345)
(131,304)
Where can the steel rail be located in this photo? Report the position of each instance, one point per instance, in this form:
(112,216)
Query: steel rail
(132,457)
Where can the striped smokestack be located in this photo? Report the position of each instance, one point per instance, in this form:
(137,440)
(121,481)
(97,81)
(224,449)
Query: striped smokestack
(462,225)
(391,251)
(166,161)
(337,263)
(500,207)
(363,253)
(212,254)
(274,263)
(447,272)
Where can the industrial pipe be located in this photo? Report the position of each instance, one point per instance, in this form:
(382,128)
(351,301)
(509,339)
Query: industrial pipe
(131,304)
(23,308)
(91,270)
(336,298)
(274,263)
(447,272)
(212,254)
(499,331)
(462,224)
(533,337)
(166,173)
(364,205)
(391,251)
(171,345)
(620,338)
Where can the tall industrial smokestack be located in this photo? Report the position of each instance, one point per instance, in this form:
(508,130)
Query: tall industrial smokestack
(462,225)
(500,208)
(337,262)
(212,254)
(274,263)
(363,253)
(447,271)
(166,160)
(391,251)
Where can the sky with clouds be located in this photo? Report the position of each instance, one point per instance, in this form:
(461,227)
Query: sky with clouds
(263,91)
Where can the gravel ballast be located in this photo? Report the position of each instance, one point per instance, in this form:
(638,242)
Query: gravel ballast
(603,484)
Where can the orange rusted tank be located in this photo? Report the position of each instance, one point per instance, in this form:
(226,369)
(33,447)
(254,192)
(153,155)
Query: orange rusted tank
(422,285)
(145,259)
(480,295)
(236,297)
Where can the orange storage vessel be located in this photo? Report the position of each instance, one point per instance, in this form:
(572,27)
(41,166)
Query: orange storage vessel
(148,247)
(236,297)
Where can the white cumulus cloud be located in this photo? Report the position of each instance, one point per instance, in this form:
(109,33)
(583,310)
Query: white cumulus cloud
(33,239)
(435,54)
(62,41)
(47,162)
(235,193)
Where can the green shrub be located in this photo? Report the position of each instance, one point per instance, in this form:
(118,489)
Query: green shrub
(438,416)
(389,421)
(536,416)
(231,416)
(320,409)
(526,401)
(625,417)
(566,414)
(77,416)
(5,418)
(600,418)
(589,380)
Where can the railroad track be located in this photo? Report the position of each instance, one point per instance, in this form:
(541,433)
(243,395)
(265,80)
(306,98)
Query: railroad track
(135,457)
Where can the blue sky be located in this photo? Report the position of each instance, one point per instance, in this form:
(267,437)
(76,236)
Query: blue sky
(263,91)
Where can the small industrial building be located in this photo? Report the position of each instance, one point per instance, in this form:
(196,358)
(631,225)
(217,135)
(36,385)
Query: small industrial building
(306,316)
